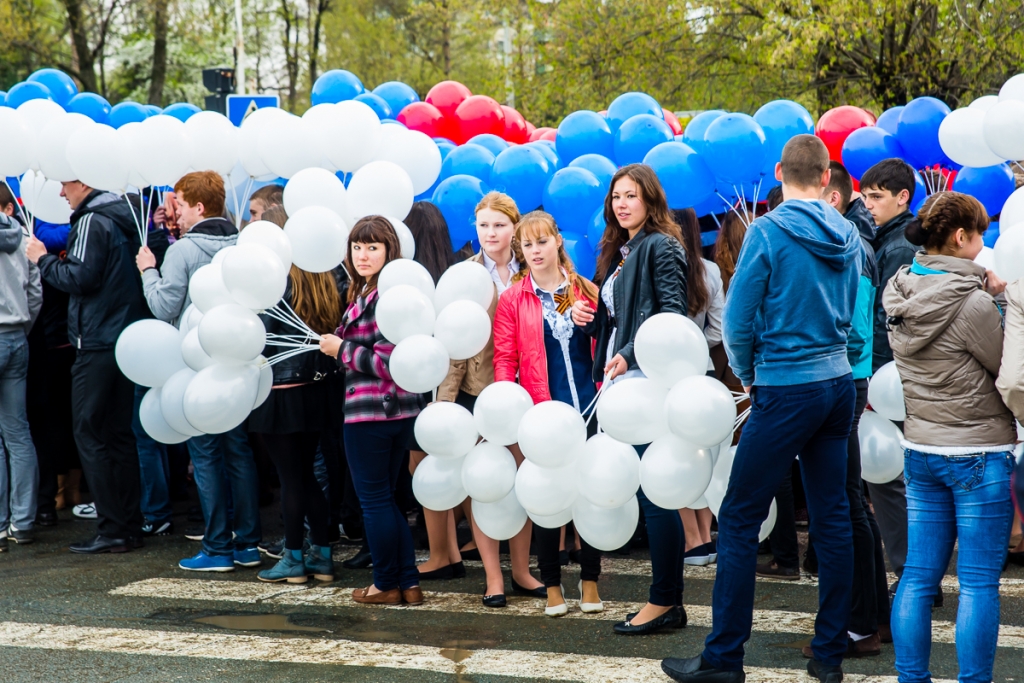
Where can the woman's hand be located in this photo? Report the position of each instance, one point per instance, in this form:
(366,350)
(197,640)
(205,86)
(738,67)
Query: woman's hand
(616,366)
(994,285)
(582,313)
(330,344)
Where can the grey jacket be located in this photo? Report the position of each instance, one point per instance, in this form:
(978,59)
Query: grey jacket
(166,289)
(21,291)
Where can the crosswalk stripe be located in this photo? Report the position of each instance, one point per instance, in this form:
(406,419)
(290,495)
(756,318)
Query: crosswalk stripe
(765,621)
(452,661)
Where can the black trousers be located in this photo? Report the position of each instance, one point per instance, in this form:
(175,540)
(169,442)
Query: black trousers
(548,560)
(49,416)
(302,498)
(102,400)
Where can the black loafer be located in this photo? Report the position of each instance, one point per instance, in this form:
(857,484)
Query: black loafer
(362,560)
(696,669)
(495,600)
(100,544)
(46,518)
(670,619)
(825,674)
(473,555)
(680,624)
(538,592)
(458,570)
(440,574)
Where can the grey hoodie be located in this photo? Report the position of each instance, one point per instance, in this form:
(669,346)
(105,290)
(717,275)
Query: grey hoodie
(21,291)
(166,289)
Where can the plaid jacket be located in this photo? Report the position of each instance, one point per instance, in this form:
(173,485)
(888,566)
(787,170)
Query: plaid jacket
(370,393)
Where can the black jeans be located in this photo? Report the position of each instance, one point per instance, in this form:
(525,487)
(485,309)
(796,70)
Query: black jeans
(668,545)
(102,401)
(301,496)
(49,416)
(548,560)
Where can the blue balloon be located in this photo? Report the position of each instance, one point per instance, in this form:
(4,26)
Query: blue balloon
(920,193)
(127,112)
(781,120)
(918,131)
(522,172)
(601,166)
(889,121)
(182,110)
(584,132)
(685,176)
(25,91)
(547,148)
(393,122)
(736,148)
(444,146)
(60,85)
(991,185)
(693,134)
(398,95)
(336,85)
(457,198)
(992,234)
(638,136)
(3,98)
(596,228)
(581,253)
(15,184)
(92,105)
(571,196)
(377,103)
(713,205)
(444,140)
(490,141)
(865,147)
(630,104)
(472,160)
(152,110)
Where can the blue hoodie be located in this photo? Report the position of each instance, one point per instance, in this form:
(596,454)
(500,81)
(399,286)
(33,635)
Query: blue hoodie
(790,304)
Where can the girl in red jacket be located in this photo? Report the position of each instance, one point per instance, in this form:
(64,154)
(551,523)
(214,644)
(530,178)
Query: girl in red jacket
(536,344)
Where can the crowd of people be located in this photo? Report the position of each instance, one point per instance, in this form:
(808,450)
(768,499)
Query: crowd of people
(799,308)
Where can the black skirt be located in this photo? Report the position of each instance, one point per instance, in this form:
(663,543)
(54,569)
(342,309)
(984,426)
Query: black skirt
(304,408)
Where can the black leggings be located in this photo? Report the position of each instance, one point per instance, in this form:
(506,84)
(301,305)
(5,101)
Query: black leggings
(548,559)
(301,496)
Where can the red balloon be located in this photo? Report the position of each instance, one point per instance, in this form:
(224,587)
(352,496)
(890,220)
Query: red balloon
(424,117)
(529,130)
(478,114)
(673,122)
(515,126)
(447,96)
(549,134)
(835,126)
(538,134)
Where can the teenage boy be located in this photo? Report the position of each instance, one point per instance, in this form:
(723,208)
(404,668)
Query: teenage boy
(264,198)
(786,326)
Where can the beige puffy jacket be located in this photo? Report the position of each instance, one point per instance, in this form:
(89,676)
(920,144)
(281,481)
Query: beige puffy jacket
(947,339)
(1010,382)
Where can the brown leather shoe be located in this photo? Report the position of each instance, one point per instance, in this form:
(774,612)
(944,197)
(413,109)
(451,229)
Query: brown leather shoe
(772,570)
(865,647)
(391,597)
(412,596)
(807,652)
(885,633)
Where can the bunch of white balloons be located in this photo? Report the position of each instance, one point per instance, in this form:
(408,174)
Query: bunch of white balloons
(881,455)
(989,131)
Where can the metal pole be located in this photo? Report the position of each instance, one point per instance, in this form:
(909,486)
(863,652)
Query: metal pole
(240,47)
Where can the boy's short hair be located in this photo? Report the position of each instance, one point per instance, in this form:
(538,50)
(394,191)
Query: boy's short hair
(204,187)
(804,161)
(270,195)
(840,182)
(893,175)
(6,196)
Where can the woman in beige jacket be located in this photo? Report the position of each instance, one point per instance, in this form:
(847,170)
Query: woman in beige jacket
(946,334)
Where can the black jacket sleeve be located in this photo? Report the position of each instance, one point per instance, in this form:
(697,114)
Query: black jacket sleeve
(668,283)
(81,272)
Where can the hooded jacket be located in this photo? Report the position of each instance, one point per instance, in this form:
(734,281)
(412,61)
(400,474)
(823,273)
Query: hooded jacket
(21,293)
(892,252)
(860,347)
(1010,382)
(790,304)
(166,288)
(99,272)
(947,339)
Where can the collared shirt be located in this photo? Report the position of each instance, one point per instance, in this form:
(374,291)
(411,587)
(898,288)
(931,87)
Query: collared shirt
(608,296)
(562,328)
(492,268)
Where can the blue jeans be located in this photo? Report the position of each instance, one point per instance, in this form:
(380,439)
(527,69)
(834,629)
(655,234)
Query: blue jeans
(18,493)
(813,420)
(223,462)
(153,469)
(951,498)
(376,451)
(667,545)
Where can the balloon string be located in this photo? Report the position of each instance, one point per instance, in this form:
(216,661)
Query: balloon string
(289,354)
(743,198)
(280,317)
(135,218)
(757,191)
(604,383)
(234,202)
(289,317)
(149,207)
(295,316)
(741,418)
(733,209)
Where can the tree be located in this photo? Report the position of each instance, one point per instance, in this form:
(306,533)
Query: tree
(159,72)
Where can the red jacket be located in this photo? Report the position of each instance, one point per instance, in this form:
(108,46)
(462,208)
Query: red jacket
(519,339)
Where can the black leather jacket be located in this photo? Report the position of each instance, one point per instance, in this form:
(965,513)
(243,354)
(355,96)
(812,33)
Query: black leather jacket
(653,280)
(309,366)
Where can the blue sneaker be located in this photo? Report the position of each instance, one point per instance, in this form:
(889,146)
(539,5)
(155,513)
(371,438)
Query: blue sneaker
(248,557)
(290,568)
(201,562)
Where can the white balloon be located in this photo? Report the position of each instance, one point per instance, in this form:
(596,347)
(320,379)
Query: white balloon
(403,311)
(289,145)
(606,529)
(466,281)
(633,410)
(881,455)
(464,328)
(231,333)
(609,471)
(701,410)
(1013,89)
(986,258)
(41,197)
(670,347)
(1012,213)
(152,419)
(206,288)
(19,149)
(674,473)
(349,133)
(172,402)
(149,352)
(555,521)
(1004,129)
(962,138)
(1008,255)
(885,393)
(985,102)
(414,151)
(189,319)
(249,136)
(269,235)
(315,187)
(546,490)
(437,483)
(498,411)
(405,237)
(213,142)
(488,472)
(38,114)
(380,188)
(52,146)
(319,238)
(419,364)
(502,520)
(551,434)
(192,351)
(162,151)
(129,133)
(255,276)
(222,254)
(769,523)
(266,380)
(405,271)
(220,397)
(445,430)
(99,157)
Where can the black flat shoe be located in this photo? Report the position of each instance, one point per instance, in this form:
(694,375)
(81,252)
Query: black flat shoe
(670,619)
(100,544)
(574,556)
(538,592)
(458,570)
(680,624)
(362,560)
(696,669)
(440,574)
(825,674)
(495,600)
(473,555)
(46,518)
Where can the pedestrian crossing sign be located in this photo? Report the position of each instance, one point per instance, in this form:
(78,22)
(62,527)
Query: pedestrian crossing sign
(240,106)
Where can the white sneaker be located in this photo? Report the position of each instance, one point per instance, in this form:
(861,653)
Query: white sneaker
(84,511)
(589,607)
(558,610)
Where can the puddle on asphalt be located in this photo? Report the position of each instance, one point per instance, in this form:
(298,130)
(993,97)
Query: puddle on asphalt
(796,645)
(256,622)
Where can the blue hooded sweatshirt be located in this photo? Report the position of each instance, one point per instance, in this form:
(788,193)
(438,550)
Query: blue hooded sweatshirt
(790,304)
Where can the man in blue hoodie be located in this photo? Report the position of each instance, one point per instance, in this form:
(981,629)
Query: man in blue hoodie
(786,324)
